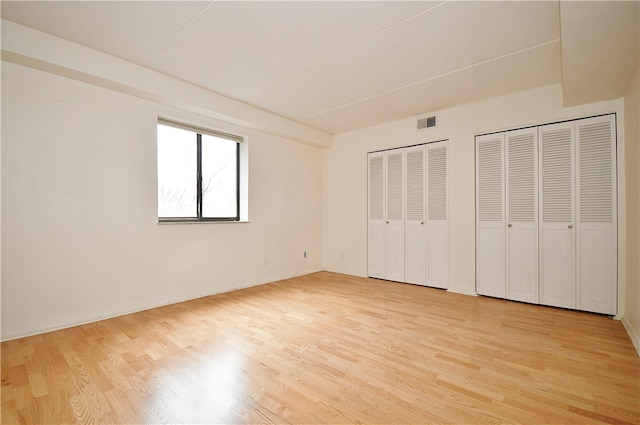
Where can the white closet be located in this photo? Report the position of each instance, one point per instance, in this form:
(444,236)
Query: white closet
(546,215)
(408,228)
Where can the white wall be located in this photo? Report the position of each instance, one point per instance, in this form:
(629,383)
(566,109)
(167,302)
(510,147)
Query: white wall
(345,173)
(80,239)
(631,318)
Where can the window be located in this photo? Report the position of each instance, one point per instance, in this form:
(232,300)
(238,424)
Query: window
(198,174)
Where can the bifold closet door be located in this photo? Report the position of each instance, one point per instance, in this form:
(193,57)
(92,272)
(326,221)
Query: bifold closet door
(596,223)
(557,241)
(415,233)
(386,215)
(376,221)
(490,217)
(437,259)
(522,215)
(394,223)
(546,215)
(408,223)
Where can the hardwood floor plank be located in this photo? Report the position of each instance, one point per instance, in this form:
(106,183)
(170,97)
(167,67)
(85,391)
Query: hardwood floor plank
(328,348)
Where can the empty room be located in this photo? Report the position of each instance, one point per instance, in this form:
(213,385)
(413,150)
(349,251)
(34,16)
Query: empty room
(320,212)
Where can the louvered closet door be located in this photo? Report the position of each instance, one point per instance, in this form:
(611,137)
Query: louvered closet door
(490,218)
(415,234)
(394,190)
(596,215)
(438,216)
(557,215)
(376,219)
(522,215)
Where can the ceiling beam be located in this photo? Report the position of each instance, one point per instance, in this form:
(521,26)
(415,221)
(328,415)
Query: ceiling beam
(31,48)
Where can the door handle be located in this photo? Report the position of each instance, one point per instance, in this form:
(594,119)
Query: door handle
(571,226)
(509,225)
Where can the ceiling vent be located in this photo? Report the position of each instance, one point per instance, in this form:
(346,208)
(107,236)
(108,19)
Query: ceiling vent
(426,122)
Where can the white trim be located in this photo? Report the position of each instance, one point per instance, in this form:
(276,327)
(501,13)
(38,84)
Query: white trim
(66,325)
(167,223)
(201,129)
(635,338)
(622,214)
(457,291)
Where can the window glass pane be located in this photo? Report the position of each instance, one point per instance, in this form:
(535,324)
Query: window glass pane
(219,177)
(177,172)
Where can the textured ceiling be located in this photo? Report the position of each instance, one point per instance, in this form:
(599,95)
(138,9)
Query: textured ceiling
(339,66)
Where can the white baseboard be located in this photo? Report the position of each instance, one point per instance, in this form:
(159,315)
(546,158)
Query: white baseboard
(298,273)
(457,291)
(66,325)
(341,270)
(633,334)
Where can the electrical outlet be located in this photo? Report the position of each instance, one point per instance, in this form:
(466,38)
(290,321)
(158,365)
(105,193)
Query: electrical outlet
(266,261)
(343,255)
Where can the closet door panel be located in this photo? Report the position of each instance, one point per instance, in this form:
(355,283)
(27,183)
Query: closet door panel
(557,215)
(557,259)
(377,250)
(415,229)
(490,217)
(438,216)
(490,260)
(376,240)
(415,248)
(522,215)
(394,253)
(522,264)
(596,215)
(438,266)
(596,269)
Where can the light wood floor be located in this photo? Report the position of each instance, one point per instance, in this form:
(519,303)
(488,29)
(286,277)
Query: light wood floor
(328,348)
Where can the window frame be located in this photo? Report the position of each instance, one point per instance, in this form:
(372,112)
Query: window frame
(199,132)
